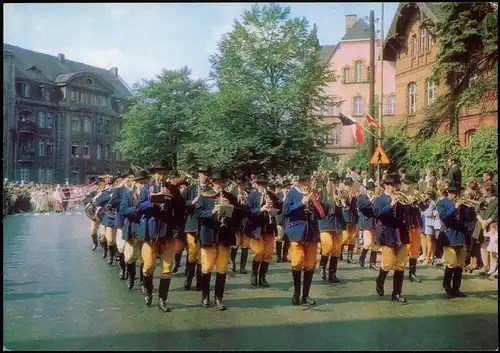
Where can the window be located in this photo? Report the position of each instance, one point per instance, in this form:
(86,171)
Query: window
(49,123)
(26,146)
(106,127)
(392,106)
(48,146)
(430,41)
(358,106)
(96,101)
(82,97)
(412,98)
(346,73)
(335,107)
(26,117)
(73,95)
(75,124)
(87,124)
(99,151)
(74,175)
(336,134)
(431,92)
(414,46)
(86,149)
(75,153)
(99,126)
(48,174)
(45,94)
(41,120)
(106,152)
(41,175)
(118,155)
(358,70)
(468,136)
(335,158)
(104,101)
(41,148)
(25,90)
(24,173)
(422,40)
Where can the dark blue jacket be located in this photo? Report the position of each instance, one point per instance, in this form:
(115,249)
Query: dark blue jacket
(257,223)
(389,230)
(240,212)
(101,201)
(189,194)
(299,226)
(116,199)
(334,220)
(129,211)
(366,219)
(453,223)
(350,214)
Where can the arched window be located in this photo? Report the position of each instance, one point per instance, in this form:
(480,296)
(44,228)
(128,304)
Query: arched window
(412,98)
(414,46)
(358,70)
(431,92)
(358,106)
(422,40)
(346,73)
(468,136)
(391,108)
(336,129)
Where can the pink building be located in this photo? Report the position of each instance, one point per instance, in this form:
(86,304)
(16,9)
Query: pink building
(350,59)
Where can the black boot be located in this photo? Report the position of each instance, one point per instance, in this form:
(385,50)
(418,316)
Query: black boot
(262,274)
(94,242)
(286,247)
(131,275)
(448,274)
(350,253)
(220,282)
(341,257)
(205,290)
(413,269)
(234,252)
(148,286)
(322,267)
(397,289)
(199,284)
(279,250)
(457,281)
(141,278)
(104,246)
(122,266)
(363,257)
(255,271)
(177,264)
(190,268)
(296,286)
(163,294)
(185,266)
(308,276)
(243,261)
(382,275)
(332,270)
(112,253)
(373,260)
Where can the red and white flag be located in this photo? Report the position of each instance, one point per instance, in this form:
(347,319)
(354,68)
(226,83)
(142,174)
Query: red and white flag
(357,131)
(372,121)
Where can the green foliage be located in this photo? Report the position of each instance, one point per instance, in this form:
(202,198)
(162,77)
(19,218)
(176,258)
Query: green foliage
(481,154)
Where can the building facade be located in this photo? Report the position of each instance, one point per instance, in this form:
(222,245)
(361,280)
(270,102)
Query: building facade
(61,118)
(413,49)
(350,59)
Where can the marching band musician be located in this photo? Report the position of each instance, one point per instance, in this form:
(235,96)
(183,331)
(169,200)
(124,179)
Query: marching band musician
(350,215)
(173,177)
(157,226)
(454,224)
(183,184)
(217,235)
(261,227)
(303,231)
(392,237)
(330,228)
(366,224)
(191,197)
(242,240)
(282,241)
(94,224)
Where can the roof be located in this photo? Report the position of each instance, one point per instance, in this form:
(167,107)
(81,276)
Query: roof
(325,53)
(359,31)
(51,68)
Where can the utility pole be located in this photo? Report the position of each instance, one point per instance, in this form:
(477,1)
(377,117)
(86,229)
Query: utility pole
(381,54)
(371,140)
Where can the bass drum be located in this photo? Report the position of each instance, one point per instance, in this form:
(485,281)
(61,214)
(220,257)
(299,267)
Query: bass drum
(90,210)
(99,214)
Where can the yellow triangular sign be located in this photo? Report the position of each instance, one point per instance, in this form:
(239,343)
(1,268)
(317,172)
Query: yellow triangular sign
(379,157)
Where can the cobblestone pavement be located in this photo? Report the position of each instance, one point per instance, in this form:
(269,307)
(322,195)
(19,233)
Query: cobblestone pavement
(59,295)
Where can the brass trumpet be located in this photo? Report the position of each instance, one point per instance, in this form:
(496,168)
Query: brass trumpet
(401,198)
(466,202)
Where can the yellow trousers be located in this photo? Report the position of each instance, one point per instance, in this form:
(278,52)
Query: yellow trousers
(110,234)
(193,248)
(331,243)
(454,256)
(263,248)
(369,240)
(394,258)
(349,234)
(304,255)
(214,257)
(101,233)
(414,246)
(243,241)
(149,252)
(132,251)
(179,245)
(94,228)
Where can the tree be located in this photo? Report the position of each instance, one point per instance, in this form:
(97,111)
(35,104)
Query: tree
(159,117)
(481,154)
(467,62)
(271,82)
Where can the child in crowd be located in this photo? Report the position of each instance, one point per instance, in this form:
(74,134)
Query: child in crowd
(493,249)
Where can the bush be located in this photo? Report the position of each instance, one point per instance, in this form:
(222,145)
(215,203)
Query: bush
(481,154)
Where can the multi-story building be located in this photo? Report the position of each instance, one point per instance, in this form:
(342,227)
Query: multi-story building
(61,118)
(350,59)
(413,49)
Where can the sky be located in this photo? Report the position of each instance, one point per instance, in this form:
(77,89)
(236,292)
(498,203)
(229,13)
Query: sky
(142,39)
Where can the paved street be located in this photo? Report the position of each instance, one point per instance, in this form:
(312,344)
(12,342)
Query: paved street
(59,295)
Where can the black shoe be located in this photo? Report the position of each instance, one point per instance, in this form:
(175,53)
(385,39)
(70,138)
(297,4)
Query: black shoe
(220,282)
(262,274)
(279,251)
(413,268)
(363,257)
(205,291)
(141,278)
(448,275)
(243,261)
(205,301)
(234,252)
(190,268)
(332,270)
(104,247)
(148,286)
(198,278)
(255,271)
(373,260)
(163,295)
(296,286)
(306,300)
(220,305)
(380,282)
(131,276)
(350,254)
(94,242)
(399,298)
(112,254)
(322,267)
(397,289)
(457,281)
(123,267)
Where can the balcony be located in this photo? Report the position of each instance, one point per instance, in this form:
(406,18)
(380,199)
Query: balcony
(26,157)
(26,127)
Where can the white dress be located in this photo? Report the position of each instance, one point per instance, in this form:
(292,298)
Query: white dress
(493,245)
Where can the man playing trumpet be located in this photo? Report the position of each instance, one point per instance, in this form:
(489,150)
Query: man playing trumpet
(242,240)
(366,225)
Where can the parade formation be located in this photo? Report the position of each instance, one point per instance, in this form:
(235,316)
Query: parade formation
(158,213)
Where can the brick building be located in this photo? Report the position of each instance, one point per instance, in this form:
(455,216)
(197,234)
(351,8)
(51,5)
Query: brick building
(61,118)
(413,49)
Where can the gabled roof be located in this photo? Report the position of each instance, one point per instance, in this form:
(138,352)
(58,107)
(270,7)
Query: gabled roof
(326,52)
(51,68)
(359,31)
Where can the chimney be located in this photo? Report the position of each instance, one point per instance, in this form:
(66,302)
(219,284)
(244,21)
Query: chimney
(350,20)
(61,57)
(114,71)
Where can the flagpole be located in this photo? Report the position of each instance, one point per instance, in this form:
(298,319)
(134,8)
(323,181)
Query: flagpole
(368,131)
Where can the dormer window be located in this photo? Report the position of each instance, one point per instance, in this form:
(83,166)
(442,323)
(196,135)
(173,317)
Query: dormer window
(35,69)
(89,81)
